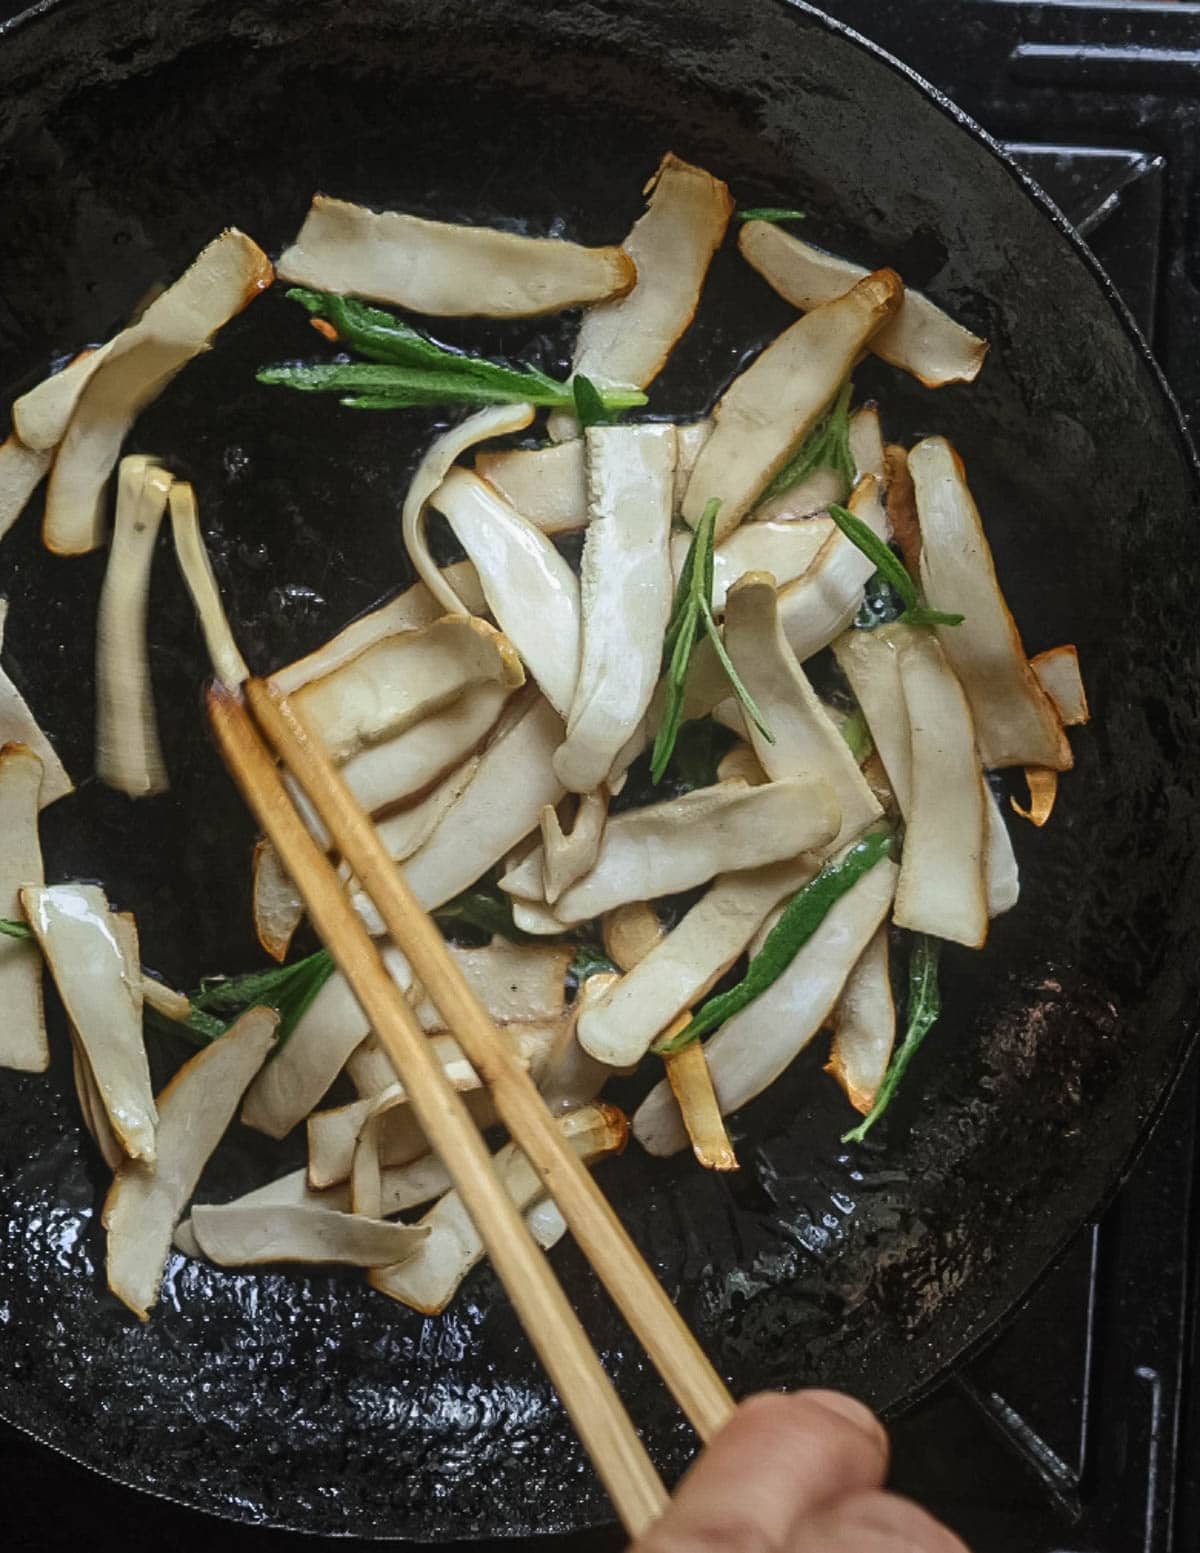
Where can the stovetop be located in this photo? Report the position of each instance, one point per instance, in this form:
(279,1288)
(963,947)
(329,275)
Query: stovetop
(1075,1430)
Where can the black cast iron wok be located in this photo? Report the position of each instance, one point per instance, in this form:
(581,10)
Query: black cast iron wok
(129,134)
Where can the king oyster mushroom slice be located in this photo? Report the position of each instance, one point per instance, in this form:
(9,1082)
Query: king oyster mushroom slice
(289,1191)
(147,1200)
(251,1236)
(444,269)
(19,726)
(825,485)
(920,339)
(402,679)
(84,943)
(942,887)
(864,1026)
(415,607)
(277,904)
(673,846)
(1058,674)
(91,1107)
(332,1026)
(1001,877)
(512,785)
(785,547)
(1015,719)
(23,1042)
(566,857)
(681,968)
(531,590)
(804,741)
(369,1068)
(40,417)
(428,1281)
(137,366)
(333,1134)
(192,555)
(572,1077)
(772,406)
(625,588)
(751,1050)
(516,983)
(824,600)
(672,244)
(740,764)
(22,470)
(495,421)
(128,754)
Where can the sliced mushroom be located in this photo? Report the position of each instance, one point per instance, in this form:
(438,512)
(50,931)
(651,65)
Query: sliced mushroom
(942,887)
(689,959)
(332,1136)
(83,941)
(870,660)
(369,1068)
(572,1077)
(192,555)
(19,726)
(23,1042)
(40,417)
(137,366)
(516,983)
(740,764)
(1015,719)
(366,1173)
(495,421)
(751,1050)
(404,830)
(673,846)
(804,742)
(530,588)
(784,547)
(547,486)
(147,1200)
(128,754)
(1058,674)
(428,1281)
(447,270)
(252,1236)
(1002,879)
(289,1191)
(824,600)
(866,444)
(91,1107)
(1043,790)
(864,1026)
(567,857)
(672,244)
(277,904)
(772,406)
(815,491)
(902,509)
(22,470)
(293,1082)
(920,339)
(625,588)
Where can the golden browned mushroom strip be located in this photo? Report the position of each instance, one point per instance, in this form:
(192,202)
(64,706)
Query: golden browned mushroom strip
(138,365)
(824,600)
(18,725)
(252,1236)
(572,1077)
(566,857)
(785,547)
(1058,674)
(23,1042)
(429,1280)
(530,588)
(146,1201)
(22,470)
(517,983)
(95,1117)
(625,588)
(750,1051)
(128,754)
(864,1026)
(41,416)
(942,888)
(447,270)
(333,1134)
(680,969)
(277,904)
(772,406)
(196,568)
(1015,720)
(921,339)
(629,340)
(804,741)
(85,945)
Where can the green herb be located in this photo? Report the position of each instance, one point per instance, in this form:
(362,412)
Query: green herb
(403,368)
(290,989)
(12,929)
(691,613)
(770,213)
(590,408)
(891,568)
(924,1006)
(198,1029)
(589,961)
(827,446)
(486,911)
(857,735)
(801,918)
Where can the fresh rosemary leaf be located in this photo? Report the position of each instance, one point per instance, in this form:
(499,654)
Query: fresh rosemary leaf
(11,929)
(891,569)
(735,679)
(288,988)
(589,961)
(827,446)
(770,213)
(857,735)
(485,911)
(924,1006)
(672,718)
(590,409)
(415,385)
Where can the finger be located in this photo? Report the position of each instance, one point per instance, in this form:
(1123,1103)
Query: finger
(779,1458)
(872,1522)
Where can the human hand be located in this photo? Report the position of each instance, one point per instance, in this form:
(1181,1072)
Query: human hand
(795,1474)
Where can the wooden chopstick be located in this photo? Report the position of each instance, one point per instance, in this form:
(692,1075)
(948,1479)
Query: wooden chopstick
(598,1231)
(595,1409)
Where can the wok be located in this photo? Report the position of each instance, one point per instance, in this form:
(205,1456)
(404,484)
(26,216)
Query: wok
(130,133)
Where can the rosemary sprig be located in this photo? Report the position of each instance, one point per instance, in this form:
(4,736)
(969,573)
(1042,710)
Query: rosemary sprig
(770,213)
(827,446)
(924,1006)
(402,367)
(691,615)
(891,569)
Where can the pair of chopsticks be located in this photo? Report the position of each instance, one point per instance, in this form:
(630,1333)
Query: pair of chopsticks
(240,722)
